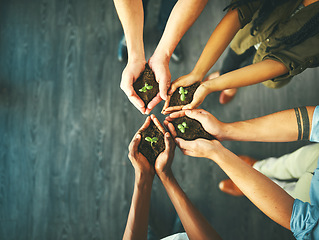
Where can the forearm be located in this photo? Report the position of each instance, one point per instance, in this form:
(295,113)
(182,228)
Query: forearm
(137,222)
(217,43)
(182,17)
(277,127)
(264,193)
(246,76)
(194,223)
(131,15)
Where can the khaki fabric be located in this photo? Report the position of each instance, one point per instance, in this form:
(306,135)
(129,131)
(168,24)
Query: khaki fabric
(279,24)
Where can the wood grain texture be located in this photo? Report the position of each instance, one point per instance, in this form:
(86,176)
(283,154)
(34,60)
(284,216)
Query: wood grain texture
(65,126)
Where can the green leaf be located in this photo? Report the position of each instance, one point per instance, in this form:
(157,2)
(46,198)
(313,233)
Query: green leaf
(155,139)
(185,92)
(148,139)
(182,130)
(181,90)
(182,97)
(184,124)
(179,126)
(149,87)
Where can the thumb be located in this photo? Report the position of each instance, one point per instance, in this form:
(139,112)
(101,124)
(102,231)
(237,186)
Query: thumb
(135,142)
(169,143)
(197,114)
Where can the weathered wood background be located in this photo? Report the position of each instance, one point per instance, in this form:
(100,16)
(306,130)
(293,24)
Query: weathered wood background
(65,126)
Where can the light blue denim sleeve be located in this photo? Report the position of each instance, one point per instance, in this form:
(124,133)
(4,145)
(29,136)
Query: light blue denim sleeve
(304,221)
(314,136)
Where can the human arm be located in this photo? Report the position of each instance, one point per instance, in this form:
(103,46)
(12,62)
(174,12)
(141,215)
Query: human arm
(194,223)
(217,43)
(182,17)
(260,190)
(277,127)
(131,15)
(137,221)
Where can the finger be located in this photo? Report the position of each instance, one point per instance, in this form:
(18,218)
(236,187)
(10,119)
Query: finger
(198,114)
(166,104)
(175,84)
(153,103)
(146,124)
(169,143)
(172,109)
(177,114)
(171,128)
(182,144)
(158,124)
(163,87)
(133,146)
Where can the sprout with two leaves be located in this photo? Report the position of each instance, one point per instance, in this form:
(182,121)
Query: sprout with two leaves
(145,88)
(182,127)
(182,92)
(151,140)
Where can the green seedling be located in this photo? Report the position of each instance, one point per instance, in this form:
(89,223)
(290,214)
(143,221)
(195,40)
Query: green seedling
(145,88)
(182,127)
(151,140)
(182,92)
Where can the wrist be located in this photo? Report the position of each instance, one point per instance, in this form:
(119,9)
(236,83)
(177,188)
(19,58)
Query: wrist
(143,178)
(163,56)
(165,175)
(197,73)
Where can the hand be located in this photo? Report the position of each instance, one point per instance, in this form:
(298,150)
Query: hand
(164,160)
(183,81)
(211,124)
(201,92)
(199,148)
(130,74)
(139,162)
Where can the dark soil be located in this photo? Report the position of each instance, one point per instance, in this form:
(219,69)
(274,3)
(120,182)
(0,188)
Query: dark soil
(175,99)
(145,147)
(195,129)
(147,76)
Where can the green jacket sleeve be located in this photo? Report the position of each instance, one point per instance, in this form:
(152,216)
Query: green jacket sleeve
(298,58)
(246,11)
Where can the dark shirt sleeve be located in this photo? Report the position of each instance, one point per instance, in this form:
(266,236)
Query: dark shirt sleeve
(298,58)
(246,11)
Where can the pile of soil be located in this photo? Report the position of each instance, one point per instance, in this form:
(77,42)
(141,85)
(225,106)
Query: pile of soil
(147,76)
(175,98)
(195,129)
(151,151)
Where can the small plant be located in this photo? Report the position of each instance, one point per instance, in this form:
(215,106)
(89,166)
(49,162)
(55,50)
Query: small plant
(151,140)
(182,127)
(182,92)
(145,88)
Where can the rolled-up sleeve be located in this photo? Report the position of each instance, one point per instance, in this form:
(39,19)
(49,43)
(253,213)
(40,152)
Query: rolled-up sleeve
(246,11)
(296,59)
(304,220)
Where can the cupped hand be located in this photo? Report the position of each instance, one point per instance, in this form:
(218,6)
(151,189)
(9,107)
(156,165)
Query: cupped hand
(130,74)
(199,96)
(139,162)
(164,160)
(199,148)
(184,81)
(160,67)
(211,124)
